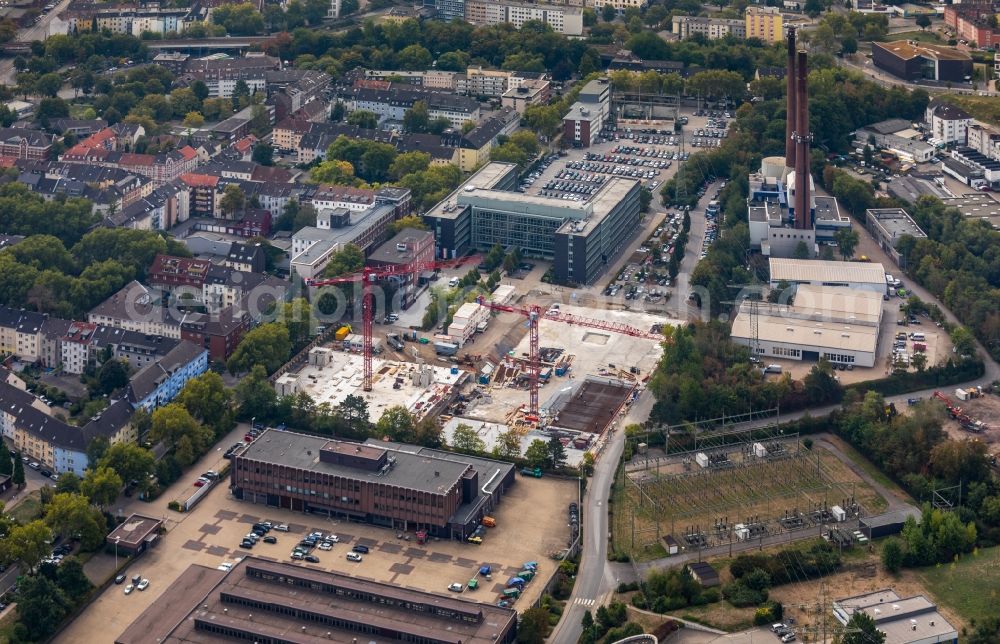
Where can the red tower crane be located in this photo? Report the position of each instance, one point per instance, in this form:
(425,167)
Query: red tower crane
(368,276)
(534,313)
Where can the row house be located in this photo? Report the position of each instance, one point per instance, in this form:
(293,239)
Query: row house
(19,143)
(159,383)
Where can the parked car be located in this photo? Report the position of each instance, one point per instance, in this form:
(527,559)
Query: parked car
(143,585)
(129,589)
(353,556)
(456,588)
(281,527)
(270,540)
(360,549)
(120,579)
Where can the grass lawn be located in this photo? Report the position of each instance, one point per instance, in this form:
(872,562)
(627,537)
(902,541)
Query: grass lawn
(922,36)
(984,108)
(29,508)
(970,587)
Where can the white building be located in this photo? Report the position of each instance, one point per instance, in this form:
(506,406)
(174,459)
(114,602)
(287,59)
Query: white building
(712,28)
(948,123)
(904,620)
(860,276)
(563,19)
(836,323)
(469,318)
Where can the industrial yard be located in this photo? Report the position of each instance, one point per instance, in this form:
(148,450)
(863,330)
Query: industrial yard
(746,489)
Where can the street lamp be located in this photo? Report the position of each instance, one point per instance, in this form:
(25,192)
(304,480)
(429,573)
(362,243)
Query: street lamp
(117,539)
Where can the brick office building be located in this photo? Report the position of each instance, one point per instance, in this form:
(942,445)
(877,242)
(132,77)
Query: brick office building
(387,484)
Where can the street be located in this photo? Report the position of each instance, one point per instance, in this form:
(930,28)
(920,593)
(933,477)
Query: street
(39,31)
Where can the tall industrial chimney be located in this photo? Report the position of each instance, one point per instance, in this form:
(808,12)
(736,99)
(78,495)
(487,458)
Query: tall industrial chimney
(791,114)
(802,200)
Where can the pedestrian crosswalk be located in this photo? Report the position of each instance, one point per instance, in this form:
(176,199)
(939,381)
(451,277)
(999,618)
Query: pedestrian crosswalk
(585,602)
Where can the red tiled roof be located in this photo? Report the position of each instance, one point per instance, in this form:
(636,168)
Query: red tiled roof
(131,159)
(188,152)
(245,143)
(199,180)
(98,139)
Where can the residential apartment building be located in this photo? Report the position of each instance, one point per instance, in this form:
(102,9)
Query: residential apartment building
(530,92)
(974,23)
(475,146)
(221,73)
(20,333)
(159,383)
(984,140)
(564,19)
(948,123)
(391,104)
(711,28)
(431,79)
(486,82)
(764,23)
(20,143)
(621,5)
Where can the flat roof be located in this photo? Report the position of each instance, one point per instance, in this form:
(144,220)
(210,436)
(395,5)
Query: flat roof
(895,222)
(601,204)
(910,188)
(890,518)
(485,178)
(902,619)
(907,49)
(981,205)
(256,598)
(826,209)
(795,271)
(836,304)
(134,530)
(424,473)
(808,333)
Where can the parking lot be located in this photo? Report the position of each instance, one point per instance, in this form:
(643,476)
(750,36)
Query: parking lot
(531,525)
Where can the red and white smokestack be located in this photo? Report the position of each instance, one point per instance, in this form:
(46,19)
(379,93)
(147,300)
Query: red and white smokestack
(791,114)
(802,200)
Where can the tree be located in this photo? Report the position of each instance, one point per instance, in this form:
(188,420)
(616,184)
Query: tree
(414,57)
(534,626)
(847,241)
(801,251)
(232,201)
(892,555)
(919,361)
(255,395)
(297,317)
(508,446)
(6,464)
(962,340)
(557,453)
(608,13)
(409,163)
(41,606)
(417,118)
(347,7)
(193,120)
(68,483)
(18,476)
(364,119)
(537,454)
(465,439)
(268,345)
(68,513)
(923,21)
(355,409)
(396,424)
(112,376)
(101,485)
(415,222)
(208,399)
(263,153)
(349,259)
(131,461)
(861,630)
(96,448)
(72,580)
(182,434)
(26,544)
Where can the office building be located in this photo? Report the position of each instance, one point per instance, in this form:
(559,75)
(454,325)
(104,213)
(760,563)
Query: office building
(588,116)
(392,103)
(914,61)
(530,92)
(581,237)
(764,23)
(397,486)
(268,601)
(888,226)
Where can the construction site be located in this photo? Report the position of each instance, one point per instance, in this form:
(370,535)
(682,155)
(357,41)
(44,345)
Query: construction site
(731,487)
(973,413)
(330,376)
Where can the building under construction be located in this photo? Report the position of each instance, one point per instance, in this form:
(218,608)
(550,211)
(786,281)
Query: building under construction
(782,210)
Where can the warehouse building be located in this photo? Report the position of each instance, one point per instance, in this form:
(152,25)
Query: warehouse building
(865,276)
(580,237)
(977,205)
(888,226)
(909,620)
(838,324)
(268,601)
(913,61)
(398,486)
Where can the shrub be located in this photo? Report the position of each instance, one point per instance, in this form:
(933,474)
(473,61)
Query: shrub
(175,506)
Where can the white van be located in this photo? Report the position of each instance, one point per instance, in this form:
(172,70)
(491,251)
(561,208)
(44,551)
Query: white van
(453,282)
(917,337)
(772,368)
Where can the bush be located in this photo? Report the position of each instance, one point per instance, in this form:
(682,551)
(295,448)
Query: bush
(740,595)
(175,506)
(624,587)
(807,443)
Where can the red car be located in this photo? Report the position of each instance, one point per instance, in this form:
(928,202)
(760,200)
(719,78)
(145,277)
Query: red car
(200,482)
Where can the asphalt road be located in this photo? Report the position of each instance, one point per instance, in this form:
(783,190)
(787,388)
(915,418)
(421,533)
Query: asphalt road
(38,31)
